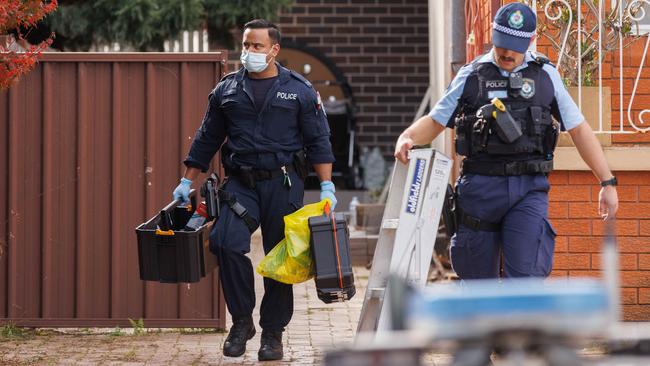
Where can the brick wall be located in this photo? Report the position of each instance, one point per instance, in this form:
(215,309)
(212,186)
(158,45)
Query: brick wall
(574,196)
(573,212)
(381,46)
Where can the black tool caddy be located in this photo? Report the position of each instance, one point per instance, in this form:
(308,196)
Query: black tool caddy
(170,254)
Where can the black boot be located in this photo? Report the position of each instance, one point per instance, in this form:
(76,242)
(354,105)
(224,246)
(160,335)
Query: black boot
(271,346)
(241,331)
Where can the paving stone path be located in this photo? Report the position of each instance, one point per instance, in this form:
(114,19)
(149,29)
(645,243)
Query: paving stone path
(315,328)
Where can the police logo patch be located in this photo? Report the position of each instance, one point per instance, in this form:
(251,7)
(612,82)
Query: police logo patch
(516,20)
(528,88)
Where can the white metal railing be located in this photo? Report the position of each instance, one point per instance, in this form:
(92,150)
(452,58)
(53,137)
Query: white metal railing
(188,41)
(620,13)
(643,14)
(196,41)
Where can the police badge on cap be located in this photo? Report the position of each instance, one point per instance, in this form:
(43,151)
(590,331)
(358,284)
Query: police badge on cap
(516,20)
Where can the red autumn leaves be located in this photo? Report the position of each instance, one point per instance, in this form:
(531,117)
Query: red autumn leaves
(16,56)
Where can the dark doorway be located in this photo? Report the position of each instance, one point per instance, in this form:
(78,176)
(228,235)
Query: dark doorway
(338,102)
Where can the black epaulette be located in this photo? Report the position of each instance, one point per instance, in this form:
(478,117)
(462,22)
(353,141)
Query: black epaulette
(300,77)
(540,58)
(228,75)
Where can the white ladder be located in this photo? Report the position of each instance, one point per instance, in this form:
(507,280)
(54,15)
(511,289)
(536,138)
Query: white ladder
(408,232)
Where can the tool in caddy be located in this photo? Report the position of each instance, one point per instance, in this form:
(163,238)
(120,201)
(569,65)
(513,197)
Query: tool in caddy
(173,246)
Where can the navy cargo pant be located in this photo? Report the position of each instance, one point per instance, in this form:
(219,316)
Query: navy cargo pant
(526,238)
(230,240)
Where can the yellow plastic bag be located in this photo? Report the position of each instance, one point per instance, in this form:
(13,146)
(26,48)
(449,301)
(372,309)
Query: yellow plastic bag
(290,260)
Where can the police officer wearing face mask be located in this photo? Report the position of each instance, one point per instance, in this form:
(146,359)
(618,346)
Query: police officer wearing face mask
(502,193)
(275,126)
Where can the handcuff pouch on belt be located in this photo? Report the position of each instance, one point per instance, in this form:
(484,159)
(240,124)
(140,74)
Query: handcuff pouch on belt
(245,176)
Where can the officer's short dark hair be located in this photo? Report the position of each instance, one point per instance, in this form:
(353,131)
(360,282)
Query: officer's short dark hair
(274,32)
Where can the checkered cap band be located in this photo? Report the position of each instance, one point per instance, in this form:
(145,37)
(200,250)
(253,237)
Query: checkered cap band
(512,32)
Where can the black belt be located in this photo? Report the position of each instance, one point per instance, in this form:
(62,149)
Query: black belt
(508,168)
(259,174)
(476,223)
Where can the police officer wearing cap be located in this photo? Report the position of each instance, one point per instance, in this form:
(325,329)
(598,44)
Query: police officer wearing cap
(508,143)
(274,125)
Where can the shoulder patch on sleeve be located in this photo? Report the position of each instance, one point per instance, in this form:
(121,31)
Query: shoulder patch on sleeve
(301,78)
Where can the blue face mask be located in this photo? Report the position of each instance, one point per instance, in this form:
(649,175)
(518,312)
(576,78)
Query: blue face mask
(254,62)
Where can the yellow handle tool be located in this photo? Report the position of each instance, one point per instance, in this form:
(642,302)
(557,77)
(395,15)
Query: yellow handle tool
(164,232)
(499,105)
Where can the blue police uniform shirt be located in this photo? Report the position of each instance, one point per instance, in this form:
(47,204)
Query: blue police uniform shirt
(563,109)
(291,118)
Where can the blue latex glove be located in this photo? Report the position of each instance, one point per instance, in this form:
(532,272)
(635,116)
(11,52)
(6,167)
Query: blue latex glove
(327,191)
(182,191)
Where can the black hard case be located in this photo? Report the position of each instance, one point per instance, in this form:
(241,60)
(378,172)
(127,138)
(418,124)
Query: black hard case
(323,249)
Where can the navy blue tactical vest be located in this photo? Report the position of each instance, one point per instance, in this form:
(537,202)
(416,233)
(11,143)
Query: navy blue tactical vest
(529,103)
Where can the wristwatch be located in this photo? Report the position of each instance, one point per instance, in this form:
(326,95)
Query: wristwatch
(609,182)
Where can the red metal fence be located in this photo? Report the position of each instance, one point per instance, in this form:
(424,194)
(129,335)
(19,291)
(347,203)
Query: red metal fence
(90,146)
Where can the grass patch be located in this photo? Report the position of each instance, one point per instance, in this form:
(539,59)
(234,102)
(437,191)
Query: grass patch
(130,356)
(138,326)
(117,332)
(10,331)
